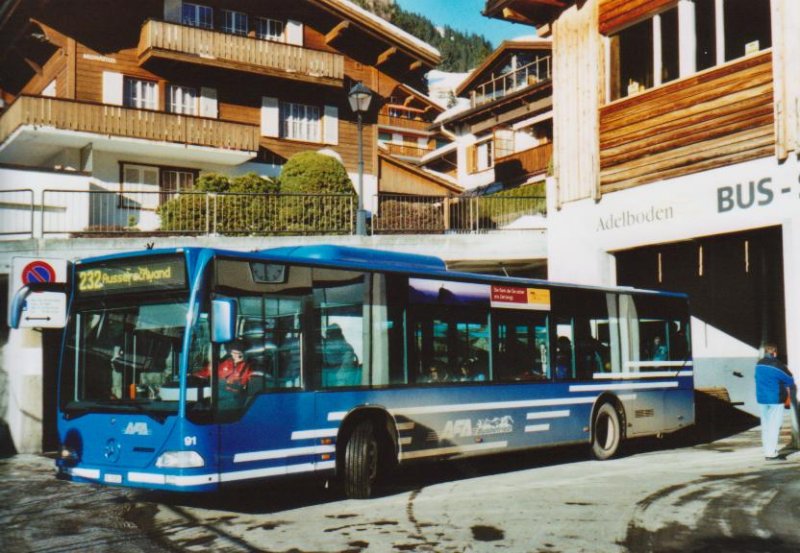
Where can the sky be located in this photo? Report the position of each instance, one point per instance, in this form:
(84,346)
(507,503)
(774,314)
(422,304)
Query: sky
(465,15)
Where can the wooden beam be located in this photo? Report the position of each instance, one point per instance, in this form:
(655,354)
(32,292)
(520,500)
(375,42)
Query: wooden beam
(337,31)
(415,65)
(51,35)
(408,100)
(35,66)
(384,57)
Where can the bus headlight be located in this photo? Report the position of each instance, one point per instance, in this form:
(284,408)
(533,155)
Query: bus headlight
(180,460)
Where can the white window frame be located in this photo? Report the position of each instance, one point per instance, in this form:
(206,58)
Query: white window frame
(183,100)
(140,93)
(300,122)
(271,29)
(235,22)
(484,155)
(687,42)
(200,16)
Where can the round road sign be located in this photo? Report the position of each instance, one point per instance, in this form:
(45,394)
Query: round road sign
(38,271)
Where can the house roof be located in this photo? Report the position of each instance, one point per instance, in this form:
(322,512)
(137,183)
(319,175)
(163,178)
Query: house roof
(508,46)
(383,30)
(530,12)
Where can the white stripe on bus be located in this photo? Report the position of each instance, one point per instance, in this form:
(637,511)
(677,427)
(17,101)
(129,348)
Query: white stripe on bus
(94,474)
(453,450)
(403,426)
(336,416)
(537,428)
(406,440)
(431,409)
(146,478)
(628,386)
(183,481)
(282,453)
(633,376)
(659,363)
(547,414)
(318,433)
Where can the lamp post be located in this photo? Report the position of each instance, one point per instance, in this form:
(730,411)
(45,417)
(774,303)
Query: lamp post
(360,97)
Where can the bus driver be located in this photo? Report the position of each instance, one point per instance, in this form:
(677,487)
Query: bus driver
(234,372)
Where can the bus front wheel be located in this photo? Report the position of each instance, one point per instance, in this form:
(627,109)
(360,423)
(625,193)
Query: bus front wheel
(361,461)
(606,432)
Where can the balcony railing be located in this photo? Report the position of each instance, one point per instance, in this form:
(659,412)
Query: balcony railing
(521,164)
(240,52)
(522,77)
(101,213)
(403,122)
(409,150)
(399,214)
(17,213)
(127,122)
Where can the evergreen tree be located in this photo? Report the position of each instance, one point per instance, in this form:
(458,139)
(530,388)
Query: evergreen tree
(460,51)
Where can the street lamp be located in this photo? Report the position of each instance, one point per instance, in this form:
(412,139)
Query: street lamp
(360,97)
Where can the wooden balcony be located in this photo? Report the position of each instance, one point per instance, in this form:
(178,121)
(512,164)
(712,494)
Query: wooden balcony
(522,164)
(403,123)
(119,121)
(408,150)
(715,118)
(159,39)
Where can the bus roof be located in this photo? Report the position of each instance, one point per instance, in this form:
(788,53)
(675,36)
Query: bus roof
(375,260)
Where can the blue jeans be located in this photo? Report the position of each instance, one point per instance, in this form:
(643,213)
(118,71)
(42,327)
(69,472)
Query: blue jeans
(771,420)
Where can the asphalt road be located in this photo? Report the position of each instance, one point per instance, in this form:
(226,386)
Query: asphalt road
(660,496)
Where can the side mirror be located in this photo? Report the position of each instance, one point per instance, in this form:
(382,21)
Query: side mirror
(223,320)
(41,305)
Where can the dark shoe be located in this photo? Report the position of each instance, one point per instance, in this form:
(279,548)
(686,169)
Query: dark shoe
(776,458)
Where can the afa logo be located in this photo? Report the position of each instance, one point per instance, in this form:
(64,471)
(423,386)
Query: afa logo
(137,429)
(463,428)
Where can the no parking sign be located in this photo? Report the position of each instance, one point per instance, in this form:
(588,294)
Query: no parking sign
(43,310)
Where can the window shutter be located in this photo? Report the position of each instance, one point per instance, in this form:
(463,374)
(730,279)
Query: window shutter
(208,102)
(112,88)
(472,165)
(270,118)
(330,125)
(172,10)
(294,32)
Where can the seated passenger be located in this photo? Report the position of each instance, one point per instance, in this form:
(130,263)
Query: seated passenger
(233,371)
(563,358)
(436,374)
(659,350)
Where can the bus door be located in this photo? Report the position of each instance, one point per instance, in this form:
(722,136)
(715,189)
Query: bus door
(642,385)
(264,414)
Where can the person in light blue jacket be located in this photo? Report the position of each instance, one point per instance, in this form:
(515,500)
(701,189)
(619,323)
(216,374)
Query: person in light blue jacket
(773,382)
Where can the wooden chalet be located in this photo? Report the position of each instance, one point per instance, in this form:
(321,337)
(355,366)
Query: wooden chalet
(658,89)
(506,128)
(156,91)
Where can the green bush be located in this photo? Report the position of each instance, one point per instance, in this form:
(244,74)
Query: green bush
(315,173)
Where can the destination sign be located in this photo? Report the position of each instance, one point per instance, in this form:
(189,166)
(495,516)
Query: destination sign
(162,273)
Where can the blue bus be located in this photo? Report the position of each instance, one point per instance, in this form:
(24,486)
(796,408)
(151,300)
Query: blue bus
(354,360)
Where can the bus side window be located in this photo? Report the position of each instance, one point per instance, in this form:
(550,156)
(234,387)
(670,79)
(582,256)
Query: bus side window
(521,349)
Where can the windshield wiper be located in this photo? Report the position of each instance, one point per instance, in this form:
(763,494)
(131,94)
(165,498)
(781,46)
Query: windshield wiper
(136,404)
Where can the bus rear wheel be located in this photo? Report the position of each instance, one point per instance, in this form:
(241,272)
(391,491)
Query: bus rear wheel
(361,462)
(606,432)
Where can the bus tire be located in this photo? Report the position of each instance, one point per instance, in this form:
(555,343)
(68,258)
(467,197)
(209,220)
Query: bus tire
(606,432)
(361,461)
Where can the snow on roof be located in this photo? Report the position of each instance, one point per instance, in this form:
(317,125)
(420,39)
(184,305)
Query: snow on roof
(387,26)
(462,104)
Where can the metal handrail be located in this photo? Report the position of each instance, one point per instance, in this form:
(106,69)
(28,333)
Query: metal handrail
(17,224)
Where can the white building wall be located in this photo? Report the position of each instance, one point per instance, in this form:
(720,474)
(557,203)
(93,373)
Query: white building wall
(583,235)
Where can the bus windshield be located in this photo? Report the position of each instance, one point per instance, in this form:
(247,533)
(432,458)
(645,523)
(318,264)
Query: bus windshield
(124,356)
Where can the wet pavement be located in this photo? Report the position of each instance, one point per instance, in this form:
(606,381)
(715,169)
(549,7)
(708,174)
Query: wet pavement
(678,495)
